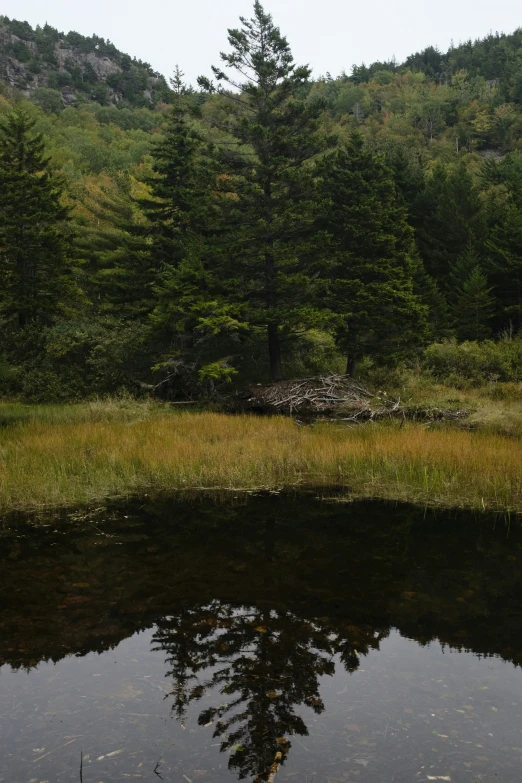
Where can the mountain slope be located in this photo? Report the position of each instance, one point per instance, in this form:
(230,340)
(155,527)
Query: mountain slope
(58,69)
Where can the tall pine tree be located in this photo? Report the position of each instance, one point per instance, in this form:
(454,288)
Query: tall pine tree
(504,257)
(372,289)
(181,185)
(272,257)
(36,274)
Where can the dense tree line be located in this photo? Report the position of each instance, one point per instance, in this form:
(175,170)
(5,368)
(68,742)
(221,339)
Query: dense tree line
(244,232)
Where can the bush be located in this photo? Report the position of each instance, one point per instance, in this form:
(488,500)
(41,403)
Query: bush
(73,360)
(49,100)
(475,363)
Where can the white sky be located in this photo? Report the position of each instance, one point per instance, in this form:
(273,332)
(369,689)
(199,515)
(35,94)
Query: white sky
(330,35)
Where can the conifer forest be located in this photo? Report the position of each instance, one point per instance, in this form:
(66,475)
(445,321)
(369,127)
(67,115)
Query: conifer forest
(263,224)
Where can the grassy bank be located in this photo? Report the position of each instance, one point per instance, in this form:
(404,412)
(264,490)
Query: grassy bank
(493,407)
(71,457)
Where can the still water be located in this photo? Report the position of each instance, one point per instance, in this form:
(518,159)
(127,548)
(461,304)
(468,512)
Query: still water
(268,638)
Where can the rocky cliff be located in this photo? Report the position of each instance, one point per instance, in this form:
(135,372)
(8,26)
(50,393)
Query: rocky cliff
(57,69)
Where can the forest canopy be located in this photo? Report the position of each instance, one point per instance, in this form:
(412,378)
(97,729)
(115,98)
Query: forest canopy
(263,224)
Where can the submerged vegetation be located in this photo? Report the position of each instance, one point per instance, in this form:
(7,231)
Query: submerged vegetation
(69,456)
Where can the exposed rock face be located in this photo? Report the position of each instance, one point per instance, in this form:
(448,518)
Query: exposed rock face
(76,69)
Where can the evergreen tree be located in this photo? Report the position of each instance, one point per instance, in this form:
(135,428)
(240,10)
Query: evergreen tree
(272,256)
(373,251)
(448,216)
(429,293)
(504,257)
(34,266)
(190,311)
(116,268)
(181,185)
(408,166)
(505,265)
(472,304)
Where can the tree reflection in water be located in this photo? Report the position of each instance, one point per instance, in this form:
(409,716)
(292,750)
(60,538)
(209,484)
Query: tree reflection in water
(254,602)
(263,663)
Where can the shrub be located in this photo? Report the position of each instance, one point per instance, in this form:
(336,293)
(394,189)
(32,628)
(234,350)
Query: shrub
(475,363)
(73,360)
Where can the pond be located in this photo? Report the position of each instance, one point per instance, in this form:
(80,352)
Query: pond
(269,637)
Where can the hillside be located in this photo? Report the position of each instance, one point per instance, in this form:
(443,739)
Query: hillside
(466,100)
(442,133)
(57,70)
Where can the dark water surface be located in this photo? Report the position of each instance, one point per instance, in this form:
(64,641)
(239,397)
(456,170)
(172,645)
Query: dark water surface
(271,638)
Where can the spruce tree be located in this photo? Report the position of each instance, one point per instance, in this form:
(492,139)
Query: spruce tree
(181,185)
(472,303)
(448,215)
(504,265)
(474,307)
(372,251)
(439,325)
(269,197)
(190,311)
(34,267)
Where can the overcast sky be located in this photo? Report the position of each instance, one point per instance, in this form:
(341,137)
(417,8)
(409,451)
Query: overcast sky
(330,35)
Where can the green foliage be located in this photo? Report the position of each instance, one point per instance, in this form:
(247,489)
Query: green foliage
(476,362)
(74,359)
(504,243)
(179,207)
(269,195)
(449,217)
(190,312)
(217,371)
(372,250)
(223,232)
(472,303)
(36,274)
(49,100)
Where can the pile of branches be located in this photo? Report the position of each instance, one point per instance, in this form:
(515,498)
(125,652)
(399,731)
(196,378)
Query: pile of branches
(324,395)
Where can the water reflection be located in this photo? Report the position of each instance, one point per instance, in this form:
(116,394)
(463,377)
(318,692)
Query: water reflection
(263,664)
(253,609)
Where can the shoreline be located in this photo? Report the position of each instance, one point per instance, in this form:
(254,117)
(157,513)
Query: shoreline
(50,465)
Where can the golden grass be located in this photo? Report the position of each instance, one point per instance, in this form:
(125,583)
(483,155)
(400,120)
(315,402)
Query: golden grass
(494,407)
(57,464)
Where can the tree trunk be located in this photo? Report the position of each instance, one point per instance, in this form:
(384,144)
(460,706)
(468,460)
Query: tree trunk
(351,364)
(274,352)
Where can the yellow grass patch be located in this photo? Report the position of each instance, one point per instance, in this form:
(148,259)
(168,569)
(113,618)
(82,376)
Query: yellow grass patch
(52,463)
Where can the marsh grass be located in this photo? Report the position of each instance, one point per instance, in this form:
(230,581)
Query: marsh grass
(122,408)
(67,461)
(493,407)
